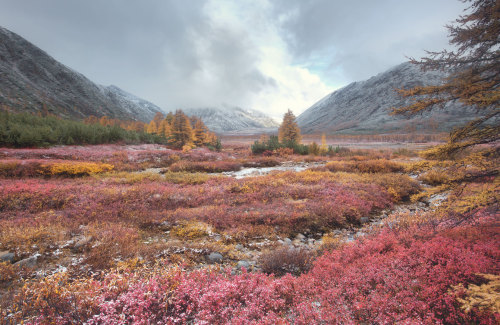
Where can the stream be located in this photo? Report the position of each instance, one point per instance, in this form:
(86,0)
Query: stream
(260,171)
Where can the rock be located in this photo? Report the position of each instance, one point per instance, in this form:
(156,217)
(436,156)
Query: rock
(300,237)
(81,242)
(239,247)
(215,257)
(29,262)
(281,242)
(288,241)
(244,264)
(364,219)
(6,256)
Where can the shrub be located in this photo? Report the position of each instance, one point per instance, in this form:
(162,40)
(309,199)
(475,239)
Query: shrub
(191,230)
(286,260)
(205,166)
(365,166)
(74,168)
(435,177)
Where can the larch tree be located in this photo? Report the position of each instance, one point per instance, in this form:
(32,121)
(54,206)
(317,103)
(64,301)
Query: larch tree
(474,67)
(182,132)
(200,131)
(289,130)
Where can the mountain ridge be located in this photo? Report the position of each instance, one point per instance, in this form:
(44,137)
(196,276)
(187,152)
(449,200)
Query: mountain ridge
(32,80)
(363,107)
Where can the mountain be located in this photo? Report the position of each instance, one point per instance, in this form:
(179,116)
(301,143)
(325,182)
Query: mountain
(363,107)
(227,119)
(31,80)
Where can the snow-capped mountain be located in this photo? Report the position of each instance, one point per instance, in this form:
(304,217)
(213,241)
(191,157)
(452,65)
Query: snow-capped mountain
(31,80)
(227,119)
(364,107)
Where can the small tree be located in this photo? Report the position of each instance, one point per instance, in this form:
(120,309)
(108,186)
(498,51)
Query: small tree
(323,149)
(474,78)
(289,130)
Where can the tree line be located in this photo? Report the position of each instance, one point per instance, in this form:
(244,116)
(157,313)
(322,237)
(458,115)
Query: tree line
(33,130)
(175,130)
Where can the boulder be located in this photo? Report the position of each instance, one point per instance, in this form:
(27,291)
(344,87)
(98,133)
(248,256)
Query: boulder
(244,264)
(215,257)
(6,256)
(29,262)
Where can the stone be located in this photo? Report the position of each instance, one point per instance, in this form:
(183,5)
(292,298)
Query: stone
(364,219)
(300,237)
(215,257)
(6,256)
(81,242)
(29,262)
(242,264)
(239,247)
(287,241)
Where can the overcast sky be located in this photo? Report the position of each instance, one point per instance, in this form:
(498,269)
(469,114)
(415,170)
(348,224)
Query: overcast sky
(269,55)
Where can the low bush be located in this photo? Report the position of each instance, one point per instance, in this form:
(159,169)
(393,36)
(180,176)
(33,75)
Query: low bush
(286,260)
(205,166)
(33,168)
(365,166)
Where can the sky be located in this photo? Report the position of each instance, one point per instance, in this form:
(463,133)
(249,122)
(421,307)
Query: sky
(269,55)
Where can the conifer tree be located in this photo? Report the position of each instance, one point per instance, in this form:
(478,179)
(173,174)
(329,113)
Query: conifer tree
(182,132)
(474,78)
(289,130)
(151,127)
(200,131)
(323,148)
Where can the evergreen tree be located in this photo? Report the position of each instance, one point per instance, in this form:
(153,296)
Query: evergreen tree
(289,130)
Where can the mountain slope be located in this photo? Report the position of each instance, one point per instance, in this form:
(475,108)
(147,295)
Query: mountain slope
(233,119)
(31,80)
(363,107)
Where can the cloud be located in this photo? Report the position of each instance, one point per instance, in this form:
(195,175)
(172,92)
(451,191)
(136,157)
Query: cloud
(353,40)
(270,55)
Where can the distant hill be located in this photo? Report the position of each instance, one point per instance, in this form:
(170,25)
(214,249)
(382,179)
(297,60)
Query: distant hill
(234,120)
(31,80)
(363,107)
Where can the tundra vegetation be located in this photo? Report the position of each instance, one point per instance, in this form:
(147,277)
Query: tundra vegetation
(141,233)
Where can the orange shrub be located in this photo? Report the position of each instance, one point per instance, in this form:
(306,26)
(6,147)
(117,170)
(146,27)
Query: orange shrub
(365,166)
(75,168)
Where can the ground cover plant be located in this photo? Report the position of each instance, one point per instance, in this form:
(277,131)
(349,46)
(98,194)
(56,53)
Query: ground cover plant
(127,233)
